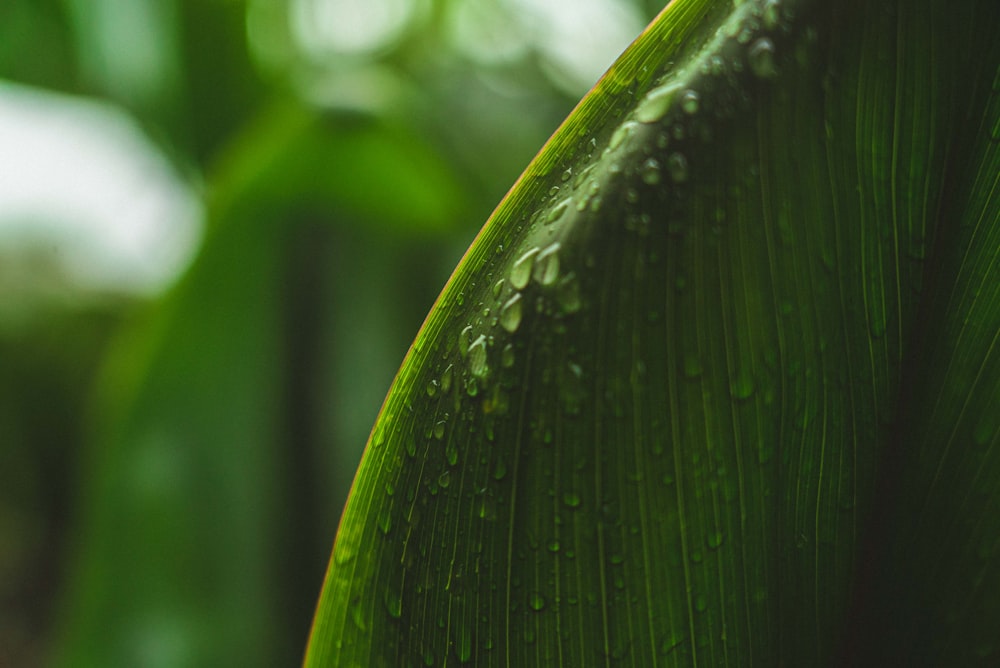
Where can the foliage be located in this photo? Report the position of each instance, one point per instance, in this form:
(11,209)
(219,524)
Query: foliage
(717,382)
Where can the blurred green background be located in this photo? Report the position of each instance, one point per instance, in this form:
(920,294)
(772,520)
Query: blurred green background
(221,224)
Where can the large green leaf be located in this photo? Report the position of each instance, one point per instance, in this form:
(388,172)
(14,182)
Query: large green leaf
(716,383)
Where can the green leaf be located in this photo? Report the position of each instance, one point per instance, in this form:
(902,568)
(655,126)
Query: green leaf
(713,386)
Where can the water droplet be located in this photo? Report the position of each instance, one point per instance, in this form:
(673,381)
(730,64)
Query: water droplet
(690,102)
(567,175)
(385,519)
(554,546)
(358,616)
(700,603)
(571,499)
(343,553)
(558,211)
(439,429)
(432,388)
(446,378)
(536,601)
(394,603)
(411,445)
(520,273)
(477,357)
(715,539)
(656,103)
(498,288)
(507,356)
(568,294)
(650,171)
(742,387)
(771,14)
(463,644)
(692,366)
(451,453)
(471,387)
(428,658)
(510,314)
(547,265)
(621,134)
(761,57)
(444,479)
(488,507)
(465,340)
(671,643)
(677,166)
(500,471)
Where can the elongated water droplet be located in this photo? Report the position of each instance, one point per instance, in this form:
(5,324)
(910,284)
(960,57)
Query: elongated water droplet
(771,14)
(444,479)
(690,102)
(465,340)
(432,388)
(451,453)
(439,429)
(394,603)
(547,265)
(678,167)
(510,314)
(446,378)
(507,356)
(656,103)
(385,519)
(520,273)
(571,499)
(477,357)
(621,134)
(650,171)
(742,387)
(536,601)
(568,294)
(761,57)
(558,211)
(715,539)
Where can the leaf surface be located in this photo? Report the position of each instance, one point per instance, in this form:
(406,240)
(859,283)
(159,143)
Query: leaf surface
(738,297)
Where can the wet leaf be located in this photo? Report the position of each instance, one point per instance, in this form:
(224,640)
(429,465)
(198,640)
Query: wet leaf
(720,369)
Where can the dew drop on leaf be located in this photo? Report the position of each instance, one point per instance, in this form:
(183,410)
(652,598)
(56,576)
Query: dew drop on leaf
(510,314)
(394,603)
(650,171)
(536,601)
(477,357)
(761,58)
(656,103)
(465,340)
(677,166)
(385,519)
(742,387)
(547,265)
(571,499)
(520,273)
(690,102)
(507,356)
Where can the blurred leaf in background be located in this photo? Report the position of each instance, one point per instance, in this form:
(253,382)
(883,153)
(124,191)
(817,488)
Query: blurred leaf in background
(220,223)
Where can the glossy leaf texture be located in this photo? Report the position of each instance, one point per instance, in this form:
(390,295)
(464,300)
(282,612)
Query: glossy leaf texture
(717,382)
